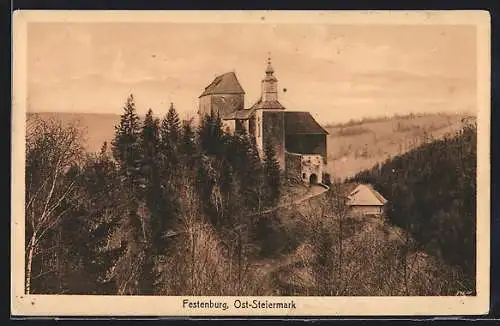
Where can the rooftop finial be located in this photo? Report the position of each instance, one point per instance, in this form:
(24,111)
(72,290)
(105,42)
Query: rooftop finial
(269,69)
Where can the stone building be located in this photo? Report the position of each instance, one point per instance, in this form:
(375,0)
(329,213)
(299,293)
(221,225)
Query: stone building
(299,141)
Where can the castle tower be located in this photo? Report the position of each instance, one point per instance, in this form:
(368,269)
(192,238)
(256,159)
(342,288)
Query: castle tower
(269,117)
(223,97)
(269,84)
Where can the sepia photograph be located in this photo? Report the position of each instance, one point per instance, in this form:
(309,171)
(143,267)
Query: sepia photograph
(250,163)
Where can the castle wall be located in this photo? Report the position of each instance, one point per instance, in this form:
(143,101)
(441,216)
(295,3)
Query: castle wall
(229,126)
(312,164)
(227,103)
(205,105)
(306,144)
(273,127)
(252,127)
(220,103)
(293,165)
(242,125)
(259,133)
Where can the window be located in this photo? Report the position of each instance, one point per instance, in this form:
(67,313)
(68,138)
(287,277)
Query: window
(258,127)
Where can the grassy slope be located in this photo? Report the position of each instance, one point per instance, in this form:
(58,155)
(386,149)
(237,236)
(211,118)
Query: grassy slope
(356,147)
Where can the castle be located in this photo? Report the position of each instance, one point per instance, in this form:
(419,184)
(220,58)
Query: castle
(299,141)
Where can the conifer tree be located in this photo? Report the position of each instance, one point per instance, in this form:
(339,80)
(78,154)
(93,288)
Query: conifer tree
(188,147)
(150,141)
(170,176)
(253,177)
(271,174)
(210,172)
(95,209)
(126,145)
(102,211)
(172,125)
(170,136)
(211,135)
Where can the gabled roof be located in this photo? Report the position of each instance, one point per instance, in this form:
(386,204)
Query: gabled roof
(346,188)
(239,115)
(362,194)
(297,123)
(377,194)
(224,84)
(267,105)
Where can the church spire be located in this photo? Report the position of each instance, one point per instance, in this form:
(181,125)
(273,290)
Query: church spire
(269,69)
(269,83)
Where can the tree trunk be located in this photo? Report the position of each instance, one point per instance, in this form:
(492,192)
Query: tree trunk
(405,263)
(341,237)
(31,249)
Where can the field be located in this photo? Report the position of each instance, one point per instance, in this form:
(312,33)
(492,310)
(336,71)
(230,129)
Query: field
(357,146)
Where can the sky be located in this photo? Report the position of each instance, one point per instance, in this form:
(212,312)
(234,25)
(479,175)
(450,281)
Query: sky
(337,72)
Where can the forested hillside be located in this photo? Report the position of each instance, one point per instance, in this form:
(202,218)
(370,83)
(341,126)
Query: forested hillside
(432,194)
(167,208)
(163,209)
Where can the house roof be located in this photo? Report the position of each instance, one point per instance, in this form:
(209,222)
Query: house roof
(302,123)
(224,84)
(346,188)
(267,105)
(239,115)
(362,194)
(377,194)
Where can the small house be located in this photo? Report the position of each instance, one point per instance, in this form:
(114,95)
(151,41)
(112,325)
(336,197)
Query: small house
(363,199)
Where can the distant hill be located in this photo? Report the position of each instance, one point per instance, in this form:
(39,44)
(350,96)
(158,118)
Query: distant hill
(97,128)
(359,145)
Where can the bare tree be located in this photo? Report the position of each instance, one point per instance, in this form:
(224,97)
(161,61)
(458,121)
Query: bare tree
(51,150)
(337,200)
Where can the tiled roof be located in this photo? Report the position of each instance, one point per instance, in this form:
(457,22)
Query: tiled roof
(302,123)
(224,84)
